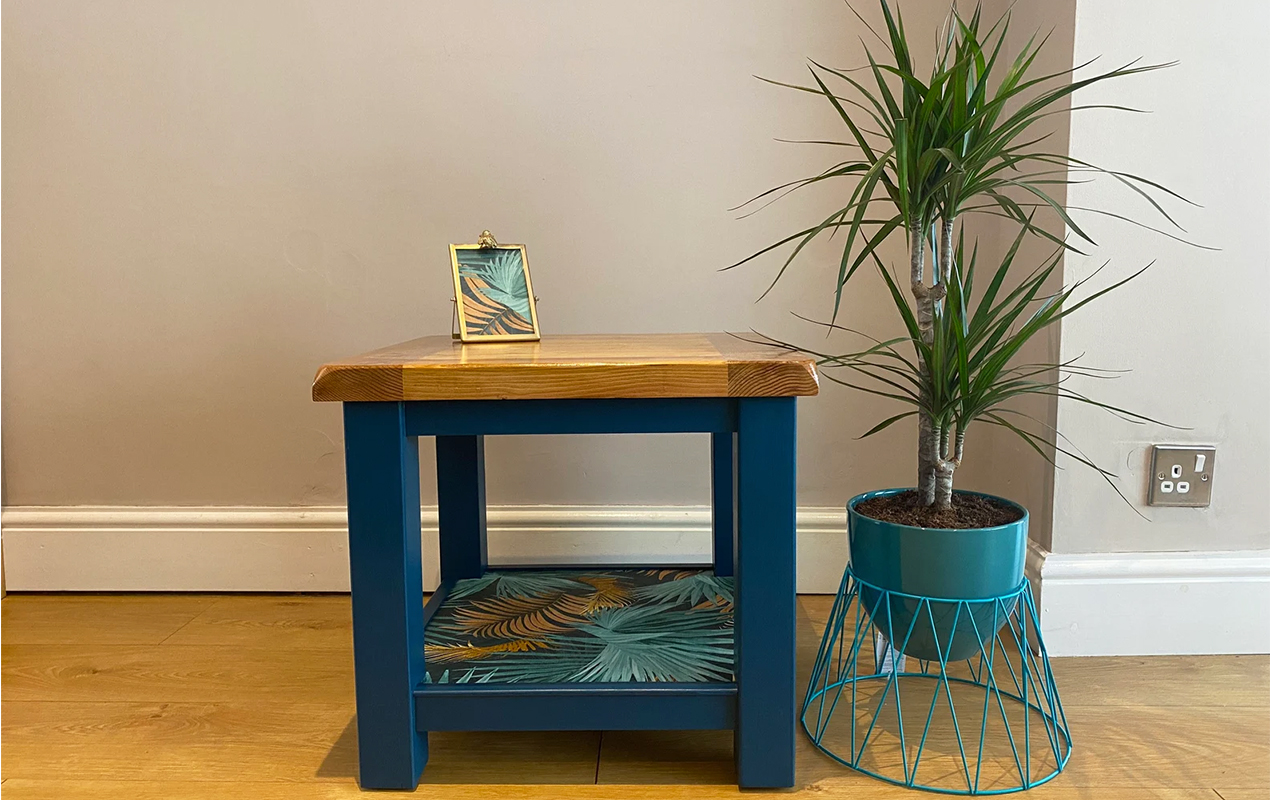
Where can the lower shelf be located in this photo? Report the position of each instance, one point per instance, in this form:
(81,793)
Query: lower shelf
(582,626)
(585,649)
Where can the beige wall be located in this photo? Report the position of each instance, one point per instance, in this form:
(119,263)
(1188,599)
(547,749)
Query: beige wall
(203,201)
(997,460)
(1194,329)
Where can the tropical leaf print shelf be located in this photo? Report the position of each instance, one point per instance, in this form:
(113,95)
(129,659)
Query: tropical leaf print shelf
(564,626)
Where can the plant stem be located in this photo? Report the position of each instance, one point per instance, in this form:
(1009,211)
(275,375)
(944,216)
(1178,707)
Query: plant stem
(935,468)
(945,254)
(943,467)
(944,483)
(927,436)
(947,467)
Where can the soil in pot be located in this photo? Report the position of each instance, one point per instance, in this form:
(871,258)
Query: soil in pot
(968,511)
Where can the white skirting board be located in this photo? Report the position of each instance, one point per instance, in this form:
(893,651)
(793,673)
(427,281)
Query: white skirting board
(1091,604)
(1204,602)
(306,549)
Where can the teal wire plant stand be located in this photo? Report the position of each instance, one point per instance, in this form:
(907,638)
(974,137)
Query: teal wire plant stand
(988,724)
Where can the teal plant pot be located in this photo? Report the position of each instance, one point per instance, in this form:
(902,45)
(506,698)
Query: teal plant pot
(939,563)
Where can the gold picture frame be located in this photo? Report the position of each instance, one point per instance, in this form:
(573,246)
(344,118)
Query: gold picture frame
(493,293)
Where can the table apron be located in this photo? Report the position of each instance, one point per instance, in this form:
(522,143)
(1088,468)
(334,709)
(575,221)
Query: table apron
(598,415)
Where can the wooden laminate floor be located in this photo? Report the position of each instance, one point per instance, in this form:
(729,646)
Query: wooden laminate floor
(175,697)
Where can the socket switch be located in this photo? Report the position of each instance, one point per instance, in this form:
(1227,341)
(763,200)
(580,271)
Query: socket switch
(1181,475)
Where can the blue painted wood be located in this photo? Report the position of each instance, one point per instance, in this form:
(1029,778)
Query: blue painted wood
(461,506)
(723,500)
(433,605)
(576,707)
(600,565)
(503,417)
(382,464)
(765,599)
(394,706)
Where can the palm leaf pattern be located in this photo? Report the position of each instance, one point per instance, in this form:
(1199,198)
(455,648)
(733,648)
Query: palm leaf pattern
(610,592)
(535,617)
(694,588)
(495,294)
(583,625)
(442,653)
(517,583)
(642,643)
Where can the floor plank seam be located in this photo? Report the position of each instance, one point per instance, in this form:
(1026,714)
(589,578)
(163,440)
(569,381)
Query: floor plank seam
(215,602)
(599,756)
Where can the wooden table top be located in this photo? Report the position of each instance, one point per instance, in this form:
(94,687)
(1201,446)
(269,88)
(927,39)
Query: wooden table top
(563,367)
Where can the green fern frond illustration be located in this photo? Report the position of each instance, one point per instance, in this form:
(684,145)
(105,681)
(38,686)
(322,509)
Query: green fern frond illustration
(519,584)
(694,589)
(647,643)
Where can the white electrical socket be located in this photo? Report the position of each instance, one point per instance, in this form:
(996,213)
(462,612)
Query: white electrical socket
(1181,475)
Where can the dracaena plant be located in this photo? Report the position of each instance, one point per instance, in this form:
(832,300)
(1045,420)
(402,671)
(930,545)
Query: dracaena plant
(927,150)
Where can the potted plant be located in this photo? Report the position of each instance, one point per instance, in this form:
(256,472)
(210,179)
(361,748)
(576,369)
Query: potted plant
(926,152)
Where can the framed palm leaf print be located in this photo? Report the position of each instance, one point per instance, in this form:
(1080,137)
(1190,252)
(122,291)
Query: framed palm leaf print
(494,297)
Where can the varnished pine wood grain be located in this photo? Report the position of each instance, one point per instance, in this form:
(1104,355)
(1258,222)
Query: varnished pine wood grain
(97,619)
(253,741)
(221,742)
(1200,746)
(176,673)
(670,757)
(1165,681)
(251,696)
(276,621)
(566,367)
(847,789)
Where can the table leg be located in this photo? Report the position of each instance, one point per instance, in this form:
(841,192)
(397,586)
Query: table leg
(382,465)
(461,506)
(765,608)
(723,501)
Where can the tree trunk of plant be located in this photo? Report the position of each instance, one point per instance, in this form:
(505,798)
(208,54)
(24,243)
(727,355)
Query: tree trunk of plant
(945,466)
(926,439)
(935,464)
(927,436)
(944,484)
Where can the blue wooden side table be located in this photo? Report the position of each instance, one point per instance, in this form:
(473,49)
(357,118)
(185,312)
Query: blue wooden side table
(551,671)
